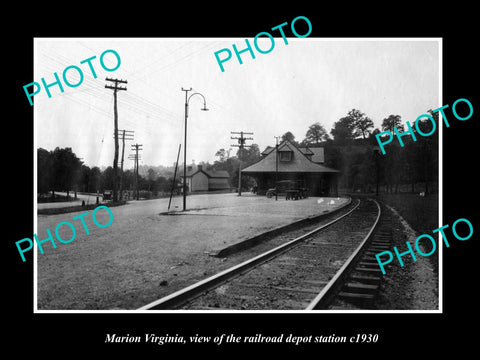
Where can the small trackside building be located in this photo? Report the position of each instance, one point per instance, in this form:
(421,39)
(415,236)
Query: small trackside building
(289,162)
(199,179)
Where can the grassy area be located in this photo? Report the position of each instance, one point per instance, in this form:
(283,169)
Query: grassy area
(47,198)
(69,209)
(421,212)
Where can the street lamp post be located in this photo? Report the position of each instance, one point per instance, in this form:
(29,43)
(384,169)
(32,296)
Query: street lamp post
(187,100)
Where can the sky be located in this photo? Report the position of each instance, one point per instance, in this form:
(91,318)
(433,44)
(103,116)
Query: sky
(288,89)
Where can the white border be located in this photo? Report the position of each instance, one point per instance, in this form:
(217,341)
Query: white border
(440,177)
(35,205)
(305,312)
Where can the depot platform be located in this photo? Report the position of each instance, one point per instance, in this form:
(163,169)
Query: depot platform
(261,216)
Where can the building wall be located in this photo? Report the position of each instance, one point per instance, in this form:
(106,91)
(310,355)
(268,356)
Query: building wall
(317,184)
(218,184)
(199,182)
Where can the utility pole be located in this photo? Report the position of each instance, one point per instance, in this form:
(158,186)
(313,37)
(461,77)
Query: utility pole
(115,88)
(126,135)
(241,145)
(134,158)
(137,147)
(276,166)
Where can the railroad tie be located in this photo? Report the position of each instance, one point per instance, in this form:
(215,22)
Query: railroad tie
(360,294)
(282,288)
(378,243)
(369,270)
(376,250)
(359,287)
(367,279)
(364,282)
(364,299)
(368,264)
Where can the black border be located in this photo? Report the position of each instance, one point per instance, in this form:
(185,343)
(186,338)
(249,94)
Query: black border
(56,334)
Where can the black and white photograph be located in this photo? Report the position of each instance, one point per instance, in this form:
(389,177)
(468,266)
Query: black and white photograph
(272,181)
(285,198)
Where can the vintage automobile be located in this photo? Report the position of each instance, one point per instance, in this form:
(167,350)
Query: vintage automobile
(107,194)
(292,189)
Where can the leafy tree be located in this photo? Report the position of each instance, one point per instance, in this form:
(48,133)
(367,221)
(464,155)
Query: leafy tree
(343,130)
(290,137)
(44,171)
(106,180)
(151,175)
(94,179)
(429,149)
(360,123)
(352,126)
(392,121)
(84,178)
(66,168)
(316,133)
(250,154)
(363,126)
(372,140)
(163,184)
(222,155)
(394,168)
(359,161)
(150,180)
(128,180)
(360,168)
(333,155)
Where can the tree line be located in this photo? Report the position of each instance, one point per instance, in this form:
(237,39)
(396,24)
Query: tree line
(352,148)
(62,170)
(355,152)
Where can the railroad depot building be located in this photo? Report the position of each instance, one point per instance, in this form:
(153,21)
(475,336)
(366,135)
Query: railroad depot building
(199,179)
(290,162)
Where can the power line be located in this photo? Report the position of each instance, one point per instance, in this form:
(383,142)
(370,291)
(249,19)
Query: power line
(89,86)
(131,103)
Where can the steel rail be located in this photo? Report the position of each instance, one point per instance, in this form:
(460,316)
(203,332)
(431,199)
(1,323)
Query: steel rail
(190,292)
(334,285)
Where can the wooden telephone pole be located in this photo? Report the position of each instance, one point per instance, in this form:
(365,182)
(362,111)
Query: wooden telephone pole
(126,135)
(276,166)
(115,88)
(241,145)
(137,147)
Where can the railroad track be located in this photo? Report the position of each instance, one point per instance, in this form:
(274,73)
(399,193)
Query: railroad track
(360,286)
(309,272)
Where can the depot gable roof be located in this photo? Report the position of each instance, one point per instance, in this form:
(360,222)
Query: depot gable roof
(298,163)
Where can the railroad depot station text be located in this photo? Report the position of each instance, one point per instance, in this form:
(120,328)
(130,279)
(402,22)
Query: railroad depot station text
(232,338)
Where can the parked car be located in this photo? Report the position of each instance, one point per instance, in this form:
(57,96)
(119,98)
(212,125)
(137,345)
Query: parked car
(292,189)
(107,194)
